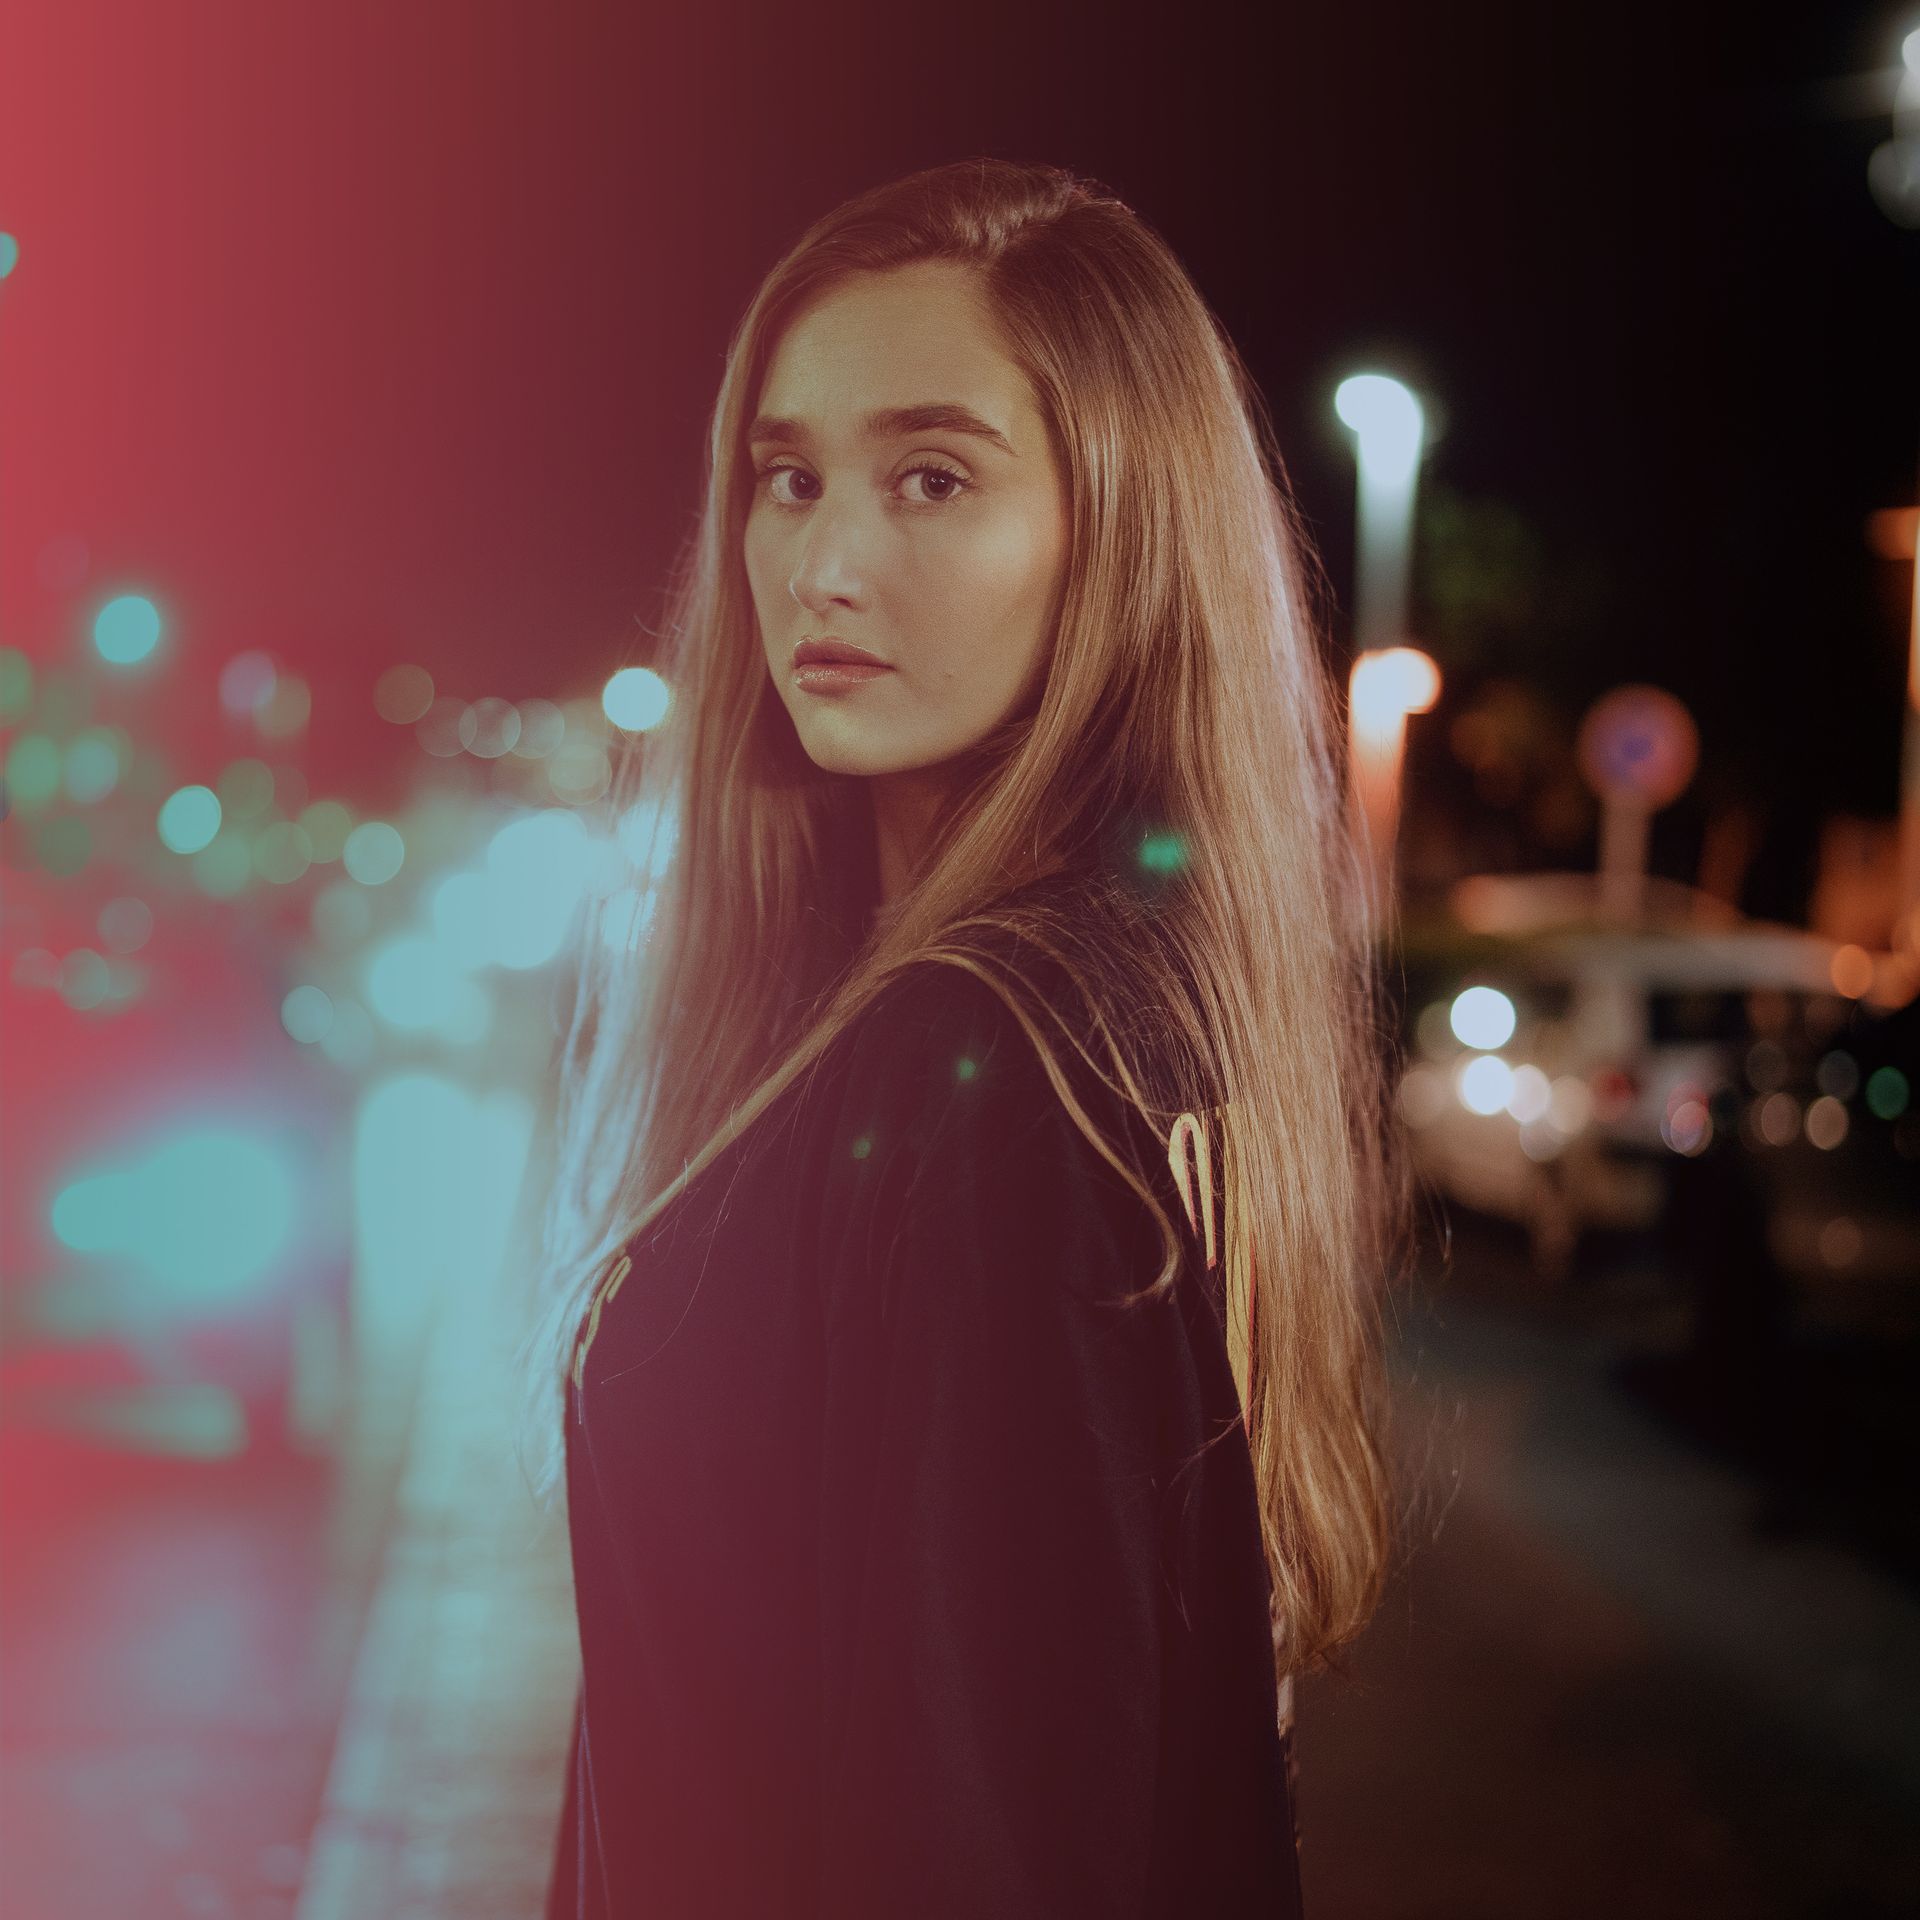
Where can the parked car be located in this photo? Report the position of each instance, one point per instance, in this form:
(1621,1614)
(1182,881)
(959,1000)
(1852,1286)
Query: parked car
(1560,1062)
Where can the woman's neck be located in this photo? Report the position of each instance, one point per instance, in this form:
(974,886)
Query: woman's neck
(904,808)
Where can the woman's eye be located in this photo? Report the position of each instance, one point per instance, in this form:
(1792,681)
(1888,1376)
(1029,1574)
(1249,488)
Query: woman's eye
(926,486)
(797,482)
(938,484)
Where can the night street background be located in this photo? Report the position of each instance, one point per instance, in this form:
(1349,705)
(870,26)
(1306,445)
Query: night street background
(357,337)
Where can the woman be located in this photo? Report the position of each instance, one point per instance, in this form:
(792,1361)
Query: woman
(952,1498)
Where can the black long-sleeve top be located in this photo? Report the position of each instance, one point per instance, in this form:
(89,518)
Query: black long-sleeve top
(915,1579)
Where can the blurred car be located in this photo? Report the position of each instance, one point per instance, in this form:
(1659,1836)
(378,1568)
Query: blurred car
(1560,1061)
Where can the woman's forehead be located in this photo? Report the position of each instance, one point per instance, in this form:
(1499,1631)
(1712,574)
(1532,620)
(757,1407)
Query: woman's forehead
(914,349)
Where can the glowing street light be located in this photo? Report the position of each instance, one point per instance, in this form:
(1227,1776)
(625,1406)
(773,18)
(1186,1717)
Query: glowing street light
(635,699)
(1388,427)
(1384,687)
(1389,685)
(1390,679)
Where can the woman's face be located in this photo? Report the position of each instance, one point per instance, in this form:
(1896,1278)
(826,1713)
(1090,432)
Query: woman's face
(906,501)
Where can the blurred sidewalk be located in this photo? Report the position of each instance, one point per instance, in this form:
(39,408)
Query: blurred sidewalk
(443,1798)
(245,1682)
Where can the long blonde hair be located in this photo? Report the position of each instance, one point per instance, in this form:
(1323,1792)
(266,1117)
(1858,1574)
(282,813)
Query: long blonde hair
(1185,716)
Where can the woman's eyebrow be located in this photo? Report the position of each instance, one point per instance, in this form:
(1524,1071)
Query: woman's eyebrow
(934,416)
(886,423)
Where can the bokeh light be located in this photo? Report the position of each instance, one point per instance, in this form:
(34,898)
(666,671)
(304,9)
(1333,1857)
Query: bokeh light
(1887,1093)
(247,682)
(245,788)
(224,868)
(579,772)
(287,710)
(1386,419)
(94,762)
(1162,853)
(1841,1241)
(207,1212)
(1569,1104)
(1687,1126)
(83,979)
(1532,1095)
(1826,1122)
(126,982)
(374,853)
(34,766)
(126,630)
(281,854)
(189,818)
(326,823)
(442,728)
(1485,1084)
(1777,1119)
(635,699)
(126,924)
(306,1013)
(1838,1074)
(462,918)
(402,694)
(1482,1017)
(542,728)
(1852,971)
(491,728)
(538,868)
(1387,684)
(1422,1096)
(413,984)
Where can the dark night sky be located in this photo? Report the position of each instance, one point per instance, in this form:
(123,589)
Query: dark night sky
(384,334)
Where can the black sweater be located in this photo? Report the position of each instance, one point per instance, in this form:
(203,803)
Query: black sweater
(909,1585)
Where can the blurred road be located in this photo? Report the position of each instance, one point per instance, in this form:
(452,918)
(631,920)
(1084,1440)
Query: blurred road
(1602,1682)
(175,1637)
(341,1692)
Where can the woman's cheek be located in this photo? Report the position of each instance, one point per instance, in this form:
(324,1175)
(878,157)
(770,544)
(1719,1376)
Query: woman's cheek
(986,568)
(1017,583)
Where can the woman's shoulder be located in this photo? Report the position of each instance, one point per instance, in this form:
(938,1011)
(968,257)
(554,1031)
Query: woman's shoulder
(965,1139)
(942,1027)
(992,1052)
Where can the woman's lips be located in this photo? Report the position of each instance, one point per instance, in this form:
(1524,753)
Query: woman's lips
(835,676)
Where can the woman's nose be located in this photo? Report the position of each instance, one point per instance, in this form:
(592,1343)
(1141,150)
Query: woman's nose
(828,572)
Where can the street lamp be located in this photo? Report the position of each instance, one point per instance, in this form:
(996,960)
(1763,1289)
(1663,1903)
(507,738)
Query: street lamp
(1388,428)
(1390,680)
(1385,686)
